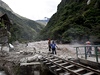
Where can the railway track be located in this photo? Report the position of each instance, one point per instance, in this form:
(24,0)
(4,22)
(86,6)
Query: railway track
(66,67)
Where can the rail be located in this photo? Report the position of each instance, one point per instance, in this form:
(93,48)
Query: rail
(58,65)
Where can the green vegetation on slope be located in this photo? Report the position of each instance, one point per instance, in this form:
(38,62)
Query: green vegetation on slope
(74,20)
(22,29)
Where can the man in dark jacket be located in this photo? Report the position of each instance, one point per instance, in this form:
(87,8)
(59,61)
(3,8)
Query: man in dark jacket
(53,46)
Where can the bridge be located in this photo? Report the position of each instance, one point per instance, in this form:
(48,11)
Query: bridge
(59,66)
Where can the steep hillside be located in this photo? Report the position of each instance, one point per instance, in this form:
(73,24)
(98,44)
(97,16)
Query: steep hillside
(22,29)
(5,6)
(77,20)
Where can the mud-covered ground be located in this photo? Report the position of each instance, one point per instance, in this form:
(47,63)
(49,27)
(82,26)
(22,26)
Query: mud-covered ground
(24,52)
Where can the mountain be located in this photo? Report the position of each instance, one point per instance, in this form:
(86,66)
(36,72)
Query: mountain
(22,29)
(5,6)
(75,20)
(44,21)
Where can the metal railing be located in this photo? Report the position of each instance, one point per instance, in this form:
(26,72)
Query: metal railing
(82,50)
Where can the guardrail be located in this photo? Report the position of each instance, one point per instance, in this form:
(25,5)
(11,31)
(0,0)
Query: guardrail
(83,48)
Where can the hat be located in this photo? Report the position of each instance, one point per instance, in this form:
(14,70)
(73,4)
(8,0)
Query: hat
(88,42)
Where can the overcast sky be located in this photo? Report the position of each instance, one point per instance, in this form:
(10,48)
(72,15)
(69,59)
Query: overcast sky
(33,9)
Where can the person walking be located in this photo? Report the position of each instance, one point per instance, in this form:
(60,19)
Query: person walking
(88,48)
(53,46)
(49,44)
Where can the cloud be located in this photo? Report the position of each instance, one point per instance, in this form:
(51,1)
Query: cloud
(33,9)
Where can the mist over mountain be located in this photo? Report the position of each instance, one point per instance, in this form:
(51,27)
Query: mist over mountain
(22,29)
(75,20)
(43,21)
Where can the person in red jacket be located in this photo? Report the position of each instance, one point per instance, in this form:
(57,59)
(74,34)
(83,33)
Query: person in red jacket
(49,43)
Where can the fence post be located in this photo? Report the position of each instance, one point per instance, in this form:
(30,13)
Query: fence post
(85,53)
(77,51)
(96,53)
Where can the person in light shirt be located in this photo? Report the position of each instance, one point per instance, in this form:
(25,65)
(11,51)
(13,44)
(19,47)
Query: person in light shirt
(88,48)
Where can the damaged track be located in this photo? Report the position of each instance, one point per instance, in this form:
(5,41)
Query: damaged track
(58,65)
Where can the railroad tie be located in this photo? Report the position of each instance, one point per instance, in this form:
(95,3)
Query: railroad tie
(59,61)
(54,59)
(78,70)
(62,64)
(59,69)
(69,66)
(53,66)
(89,73)
(49,63)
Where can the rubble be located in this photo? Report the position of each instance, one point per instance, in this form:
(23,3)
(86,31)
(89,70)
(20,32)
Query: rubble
(25,54)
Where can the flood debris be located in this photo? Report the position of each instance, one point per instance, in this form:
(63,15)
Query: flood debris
(22,55)
(32,63)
